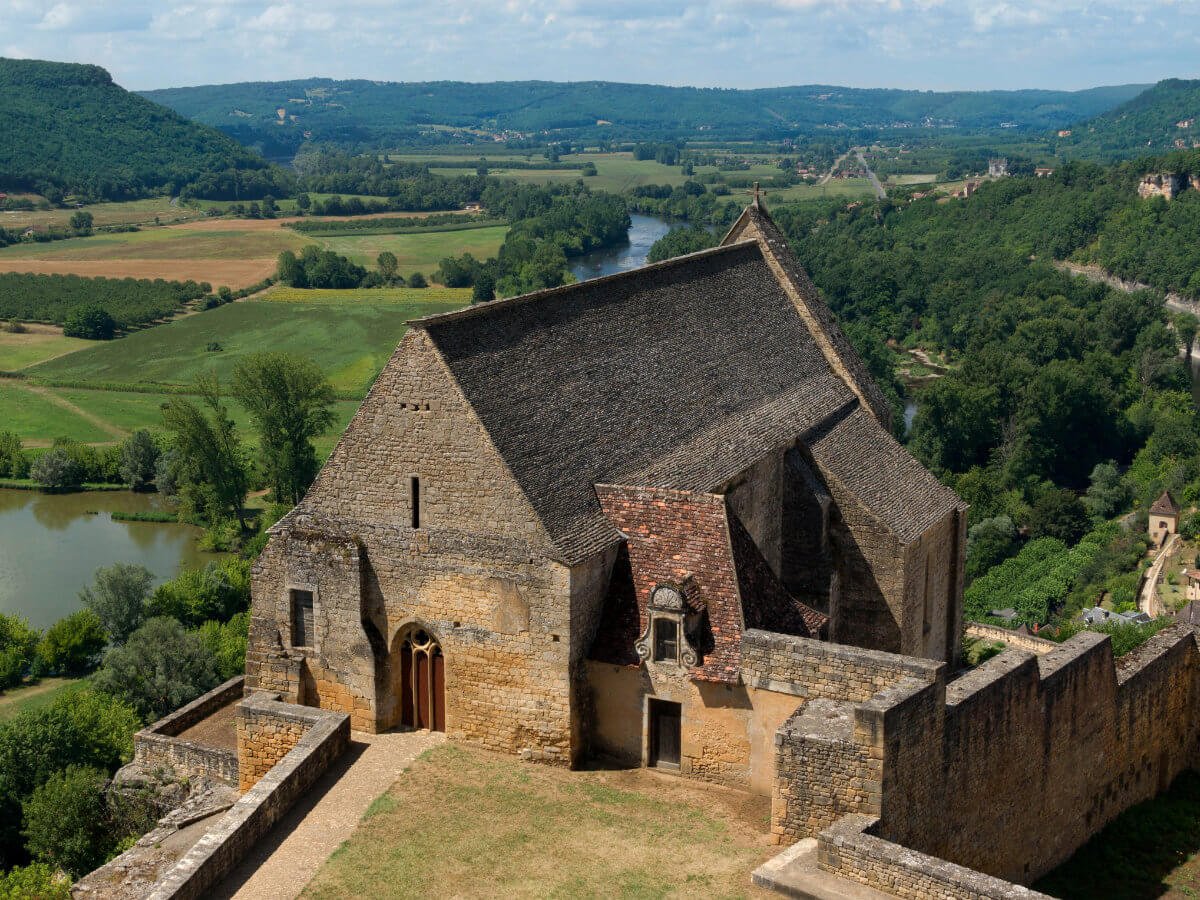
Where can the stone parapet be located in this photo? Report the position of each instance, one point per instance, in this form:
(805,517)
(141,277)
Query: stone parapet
(850,850)
(1009,637)
(324,736)
(158,745)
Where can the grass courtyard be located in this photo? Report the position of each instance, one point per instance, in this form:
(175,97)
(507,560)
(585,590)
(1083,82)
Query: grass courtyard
(466,823)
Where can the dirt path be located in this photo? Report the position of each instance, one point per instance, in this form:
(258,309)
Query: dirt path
(1150,602)
(879,191)
(103,424)
(287,859)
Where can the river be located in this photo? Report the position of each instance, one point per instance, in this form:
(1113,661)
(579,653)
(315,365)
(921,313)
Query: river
(50,544)
(643,232)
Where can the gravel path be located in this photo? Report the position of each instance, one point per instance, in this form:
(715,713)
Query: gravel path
(290,855)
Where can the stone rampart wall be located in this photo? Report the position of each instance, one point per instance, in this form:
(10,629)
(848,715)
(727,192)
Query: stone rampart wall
(326,736)
(1011,638)
(850,850)
(158,745)
(1011,768)
(813,669)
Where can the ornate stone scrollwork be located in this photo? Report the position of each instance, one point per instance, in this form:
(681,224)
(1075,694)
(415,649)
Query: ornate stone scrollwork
(667,602)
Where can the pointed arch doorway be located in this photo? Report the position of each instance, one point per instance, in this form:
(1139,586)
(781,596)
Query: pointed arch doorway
(422,680)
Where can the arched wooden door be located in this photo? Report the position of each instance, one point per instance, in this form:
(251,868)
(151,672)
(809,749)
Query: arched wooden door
(422,682)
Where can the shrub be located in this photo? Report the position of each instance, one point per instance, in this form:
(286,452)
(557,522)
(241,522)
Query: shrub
(66,822)
(83,728)
(90,321)
(38,881)
(160,668)
(227,644)
(56,470)
(417,280)
(72,645)
(139,456)
(216,592)
(118,596)
(13,461)
(17,645)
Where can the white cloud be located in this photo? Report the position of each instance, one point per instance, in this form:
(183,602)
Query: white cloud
(733,43)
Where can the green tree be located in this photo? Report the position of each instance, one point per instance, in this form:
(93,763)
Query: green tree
(289,271)
(139,456)
(210,453)
(1108,493)
(1186,326)
(227,643)
(56,470)
(989,543)
(81,728)
(290,402)
(36,881)
(18,643)
(118,596)
(81,223)
(1058,513)
(484,288)
(388,265)
(13,461)
(66,821)
(417,280)
(217,591)
(161,667)
(303,202)
(90,321)
(72,645)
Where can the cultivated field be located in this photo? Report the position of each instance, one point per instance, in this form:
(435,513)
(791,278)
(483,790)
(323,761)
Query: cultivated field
(350,340)
(505,828)
(418,252)
(37,344)
(131,212)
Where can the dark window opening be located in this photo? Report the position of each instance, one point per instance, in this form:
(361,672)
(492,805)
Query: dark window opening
(415,485)
(302,618)
(666,640)
(1162,524)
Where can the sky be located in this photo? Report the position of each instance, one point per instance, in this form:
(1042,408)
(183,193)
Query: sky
(924,44)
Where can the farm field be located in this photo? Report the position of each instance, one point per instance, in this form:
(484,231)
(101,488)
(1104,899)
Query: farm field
(131,212)
(37,419)
(846,188)
(926,178)
(350,341)
(418,252)
(37,344)
(222,252)
(617,833)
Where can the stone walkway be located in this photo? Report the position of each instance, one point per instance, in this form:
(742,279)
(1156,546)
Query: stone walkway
(290,855)
(1150,602)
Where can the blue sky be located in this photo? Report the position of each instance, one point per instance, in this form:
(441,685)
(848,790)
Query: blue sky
(930,44)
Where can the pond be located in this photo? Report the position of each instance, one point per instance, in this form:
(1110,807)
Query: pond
(643,232)
(51,544)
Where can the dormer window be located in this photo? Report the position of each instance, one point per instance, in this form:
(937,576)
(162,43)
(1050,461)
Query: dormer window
(665,639)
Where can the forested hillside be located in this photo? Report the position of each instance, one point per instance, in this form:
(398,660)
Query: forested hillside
(1151,121)
(68,129)
(364,111)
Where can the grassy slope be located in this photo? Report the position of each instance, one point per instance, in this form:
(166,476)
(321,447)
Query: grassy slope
(349,341)
(36,419)
(612,833)
(166,243)
(20,350)
(36,695)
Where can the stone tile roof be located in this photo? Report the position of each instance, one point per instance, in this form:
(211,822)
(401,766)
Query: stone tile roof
(756,219)
(687,370)
(1165,505)
(881,474)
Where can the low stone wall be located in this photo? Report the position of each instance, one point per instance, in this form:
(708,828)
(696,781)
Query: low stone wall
(158,745)
(813,669)
(849,850)
(1010,638)
(325,736)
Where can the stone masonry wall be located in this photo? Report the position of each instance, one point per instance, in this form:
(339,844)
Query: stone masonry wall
(158,745)
(475,574)
(1011,768)
(265,736)
(849,849)
(326,735)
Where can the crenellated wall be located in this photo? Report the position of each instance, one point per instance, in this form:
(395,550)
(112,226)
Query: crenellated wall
(1007,770)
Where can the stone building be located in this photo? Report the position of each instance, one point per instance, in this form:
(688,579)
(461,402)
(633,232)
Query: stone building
(1164,518)
(574,521)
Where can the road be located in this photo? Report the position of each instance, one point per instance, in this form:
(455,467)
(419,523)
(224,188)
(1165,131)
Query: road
(837,162)
(879,191)
(1149,602)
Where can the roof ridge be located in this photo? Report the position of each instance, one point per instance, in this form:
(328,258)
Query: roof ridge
(479,309)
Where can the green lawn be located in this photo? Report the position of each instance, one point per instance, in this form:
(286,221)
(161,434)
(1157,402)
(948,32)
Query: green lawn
(36,695)
(464,823)
(35,418)
(20,350)
(350,341)
(418,252)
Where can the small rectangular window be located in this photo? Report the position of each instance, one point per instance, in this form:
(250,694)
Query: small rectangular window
(302,618)
(415,496)
(666,640)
